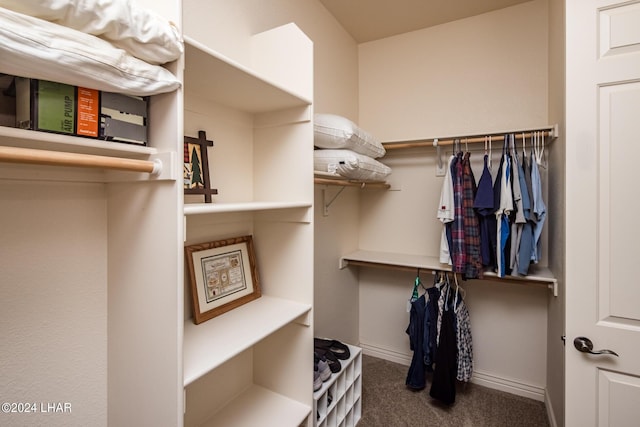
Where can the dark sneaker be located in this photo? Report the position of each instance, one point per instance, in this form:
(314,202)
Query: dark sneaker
(340,350)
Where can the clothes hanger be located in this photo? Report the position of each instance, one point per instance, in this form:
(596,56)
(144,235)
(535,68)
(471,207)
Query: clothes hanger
(459,287)
(490,153)
(417,282)
(459,290)
(541,159)
(456,294)
(505,144)
(486,154)
(532,153)
(439,279)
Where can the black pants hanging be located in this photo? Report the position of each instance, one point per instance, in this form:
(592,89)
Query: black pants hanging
(443,386)
(416,375)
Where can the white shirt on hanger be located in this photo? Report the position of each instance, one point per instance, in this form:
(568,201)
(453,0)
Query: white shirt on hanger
(446,212)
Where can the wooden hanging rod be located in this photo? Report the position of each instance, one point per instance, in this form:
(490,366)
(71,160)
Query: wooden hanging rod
(55,158)
(550,132)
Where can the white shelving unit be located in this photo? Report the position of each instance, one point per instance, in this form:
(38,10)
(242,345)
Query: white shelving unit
(338,403)
(209,345)
(93,271)
(252,365)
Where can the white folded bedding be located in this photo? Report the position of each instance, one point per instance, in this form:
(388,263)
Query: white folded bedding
(140,31)
(332,131)
(350,164)
(34,48)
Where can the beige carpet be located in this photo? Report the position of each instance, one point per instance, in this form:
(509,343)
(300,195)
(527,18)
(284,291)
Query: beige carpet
(387,402)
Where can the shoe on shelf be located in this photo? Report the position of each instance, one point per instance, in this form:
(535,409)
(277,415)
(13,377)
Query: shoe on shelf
(317,382)
(340,350)
(322,367)
(332,360)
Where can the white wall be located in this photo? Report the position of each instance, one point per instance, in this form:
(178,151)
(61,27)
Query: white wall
(54,301)
(481,74)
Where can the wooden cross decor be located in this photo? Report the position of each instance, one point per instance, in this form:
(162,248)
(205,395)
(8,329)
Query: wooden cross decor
(196,166)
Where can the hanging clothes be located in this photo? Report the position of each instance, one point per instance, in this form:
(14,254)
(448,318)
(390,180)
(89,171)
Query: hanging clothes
(443,386)
(539,208)
(458,253)
(446,212)
(504,210)
(527,241)
(522,215)
(422,331)
(440,337)
(517,217)
(473,258)
(464,342)
(431,326)
(494,224)
(484,206)
(416,378)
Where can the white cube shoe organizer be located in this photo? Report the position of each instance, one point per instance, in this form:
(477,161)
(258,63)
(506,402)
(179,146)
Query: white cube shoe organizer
(338,403)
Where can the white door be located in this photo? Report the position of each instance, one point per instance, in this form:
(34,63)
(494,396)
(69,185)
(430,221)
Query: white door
(603,212)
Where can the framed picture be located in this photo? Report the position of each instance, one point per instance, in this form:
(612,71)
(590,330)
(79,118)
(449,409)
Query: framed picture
(195,171)
(222,275)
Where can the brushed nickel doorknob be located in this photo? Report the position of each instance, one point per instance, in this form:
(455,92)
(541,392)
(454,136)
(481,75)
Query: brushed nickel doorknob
(584,345)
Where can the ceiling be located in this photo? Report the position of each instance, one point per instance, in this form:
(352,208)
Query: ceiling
(368,20)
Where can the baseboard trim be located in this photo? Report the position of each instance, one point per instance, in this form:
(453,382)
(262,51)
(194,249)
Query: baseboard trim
(386,354)
(481,378)
(508,385)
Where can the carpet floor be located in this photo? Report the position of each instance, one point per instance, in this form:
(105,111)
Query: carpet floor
(387,402)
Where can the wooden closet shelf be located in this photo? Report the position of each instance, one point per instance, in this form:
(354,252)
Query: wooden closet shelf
(330,179)
(407,262)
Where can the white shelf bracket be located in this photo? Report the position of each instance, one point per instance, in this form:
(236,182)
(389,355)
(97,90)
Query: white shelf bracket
(554,286)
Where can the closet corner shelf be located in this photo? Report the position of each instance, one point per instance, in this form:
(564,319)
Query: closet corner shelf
(23,138)
(234,84)
(210,208)
(542,276)
(324,178)
(268,409)
(210,344)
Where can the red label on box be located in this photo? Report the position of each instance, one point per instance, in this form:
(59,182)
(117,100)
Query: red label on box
(88,112)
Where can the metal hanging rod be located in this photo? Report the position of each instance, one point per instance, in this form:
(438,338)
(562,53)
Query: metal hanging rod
(55,158)
(551,132)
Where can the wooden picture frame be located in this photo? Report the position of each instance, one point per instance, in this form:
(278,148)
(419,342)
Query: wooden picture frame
(222,275)
(195,171)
